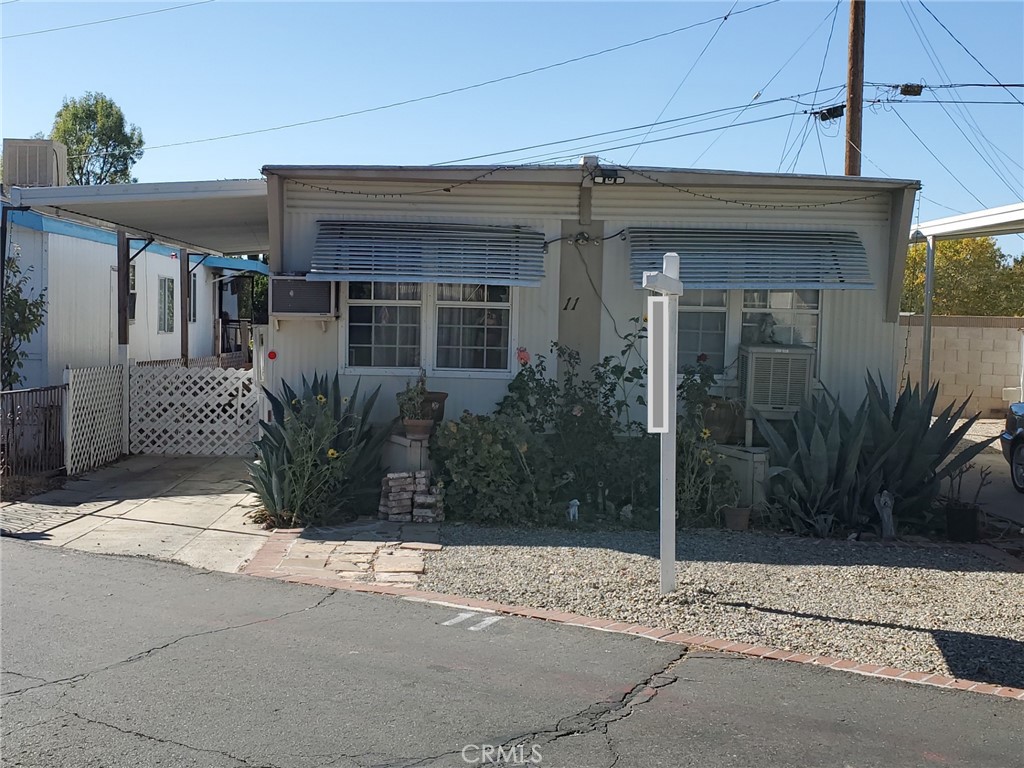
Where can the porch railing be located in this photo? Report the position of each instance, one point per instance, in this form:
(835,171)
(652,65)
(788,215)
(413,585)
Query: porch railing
(31,431)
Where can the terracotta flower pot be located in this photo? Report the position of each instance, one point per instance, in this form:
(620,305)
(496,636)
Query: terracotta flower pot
(736,518)
(418,429)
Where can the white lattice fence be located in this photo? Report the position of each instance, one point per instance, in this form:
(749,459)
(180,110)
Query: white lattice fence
(93,417)
(199,411)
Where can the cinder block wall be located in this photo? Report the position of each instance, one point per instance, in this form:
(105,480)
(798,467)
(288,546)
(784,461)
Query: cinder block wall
(976,356)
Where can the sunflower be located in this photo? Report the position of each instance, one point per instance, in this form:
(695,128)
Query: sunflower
(321,399)
(705,433)
(332,454)
(709,461)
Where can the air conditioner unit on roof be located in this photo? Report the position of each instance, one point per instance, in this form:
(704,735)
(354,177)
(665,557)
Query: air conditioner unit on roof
(298,297)
(775,379)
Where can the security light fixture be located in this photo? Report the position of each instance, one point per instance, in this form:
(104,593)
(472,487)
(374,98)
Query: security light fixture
(608,176)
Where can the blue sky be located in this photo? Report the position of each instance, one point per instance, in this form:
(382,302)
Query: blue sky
(226,67)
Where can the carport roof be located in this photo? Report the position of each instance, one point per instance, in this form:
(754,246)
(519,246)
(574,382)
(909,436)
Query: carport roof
(1005,220)
(227,217)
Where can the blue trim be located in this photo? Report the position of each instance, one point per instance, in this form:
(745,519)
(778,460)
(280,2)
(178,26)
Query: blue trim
(236,265)
(39,223)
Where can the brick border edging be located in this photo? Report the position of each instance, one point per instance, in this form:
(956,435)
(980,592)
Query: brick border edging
(262,565)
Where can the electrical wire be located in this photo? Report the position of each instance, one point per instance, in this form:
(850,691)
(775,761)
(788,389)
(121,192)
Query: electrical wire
(688,73)
(821,70)
(981,144)
(897,86)
(104,21)
(451,91)
(764,87)
(670,122)
(967,51)
(936,158)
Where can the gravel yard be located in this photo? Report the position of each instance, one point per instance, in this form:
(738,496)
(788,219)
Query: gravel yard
(935,610)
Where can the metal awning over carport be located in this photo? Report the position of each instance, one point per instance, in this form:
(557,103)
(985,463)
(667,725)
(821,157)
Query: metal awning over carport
(223,217)
(991,222)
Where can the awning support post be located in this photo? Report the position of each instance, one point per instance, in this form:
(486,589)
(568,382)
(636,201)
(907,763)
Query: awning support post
(184,275)
(926,330)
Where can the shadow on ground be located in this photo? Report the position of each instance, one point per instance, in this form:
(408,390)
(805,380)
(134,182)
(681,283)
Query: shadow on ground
(968,654)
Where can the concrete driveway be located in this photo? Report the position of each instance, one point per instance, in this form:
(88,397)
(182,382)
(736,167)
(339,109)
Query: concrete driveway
(190,509)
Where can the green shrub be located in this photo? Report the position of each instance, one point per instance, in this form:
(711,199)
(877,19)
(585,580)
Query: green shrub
(319,460)
(601,451)
(703,482)
(495,470)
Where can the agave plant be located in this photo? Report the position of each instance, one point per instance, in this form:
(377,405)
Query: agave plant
(319,458)
(908,452)
(814,473)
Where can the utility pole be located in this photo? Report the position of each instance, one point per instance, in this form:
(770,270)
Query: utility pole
(855,88)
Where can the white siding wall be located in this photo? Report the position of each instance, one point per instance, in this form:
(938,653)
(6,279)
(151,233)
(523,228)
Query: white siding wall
(82,316)
(302,346)
(854,337)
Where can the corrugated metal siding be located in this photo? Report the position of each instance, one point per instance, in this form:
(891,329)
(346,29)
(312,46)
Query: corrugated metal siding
(653,204)
(854,340)
(302,347)
(81,319)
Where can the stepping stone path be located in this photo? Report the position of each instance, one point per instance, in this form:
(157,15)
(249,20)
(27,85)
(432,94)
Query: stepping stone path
(364,551)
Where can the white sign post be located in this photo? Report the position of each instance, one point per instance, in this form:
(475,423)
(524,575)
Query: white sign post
(662,354)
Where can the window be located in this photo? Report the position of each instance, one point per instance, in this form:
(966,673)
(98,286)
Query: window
(447,326)
(192,297)
(783,317)
(473,326)
(702,327)
(384,324)
(165,305)
(132,295)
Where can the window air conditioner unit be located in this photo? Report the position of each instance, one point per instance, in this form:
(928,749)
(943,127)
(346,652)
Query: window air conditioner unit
(775,379)
(298,297)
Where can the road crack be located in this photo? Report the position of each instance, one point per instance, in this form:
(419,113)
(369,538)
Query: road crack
(594,719)
(150,651)
(172,742)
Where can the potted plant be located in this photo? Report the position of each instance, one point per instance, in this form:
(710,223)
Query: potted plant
(413,408)
(963,513)
(727,493)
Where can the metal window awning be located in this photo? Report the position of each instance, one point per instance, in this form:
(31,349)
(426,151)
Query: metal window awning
(427,253)
(750,258)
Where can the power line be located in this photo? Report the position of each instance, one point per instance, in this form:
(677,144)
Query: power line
(451,91)
(764,87)
(936,158)
(670,121)
(821,70)
(976,59)
(688,73)
(103,21)
(927,87)
(983,146)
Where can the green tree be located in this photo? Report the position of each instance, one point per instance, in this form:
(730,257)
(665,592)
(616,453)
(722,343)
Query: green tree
(22,316)
(972,277)
(102,147)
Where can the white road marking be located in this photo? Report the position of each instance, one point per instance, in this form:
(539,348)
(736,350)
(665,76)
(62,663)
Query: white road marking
(457,619)
(485,623)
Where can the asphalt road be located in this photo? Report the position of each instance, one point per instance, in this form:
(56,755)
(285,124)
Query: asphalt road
(113,662)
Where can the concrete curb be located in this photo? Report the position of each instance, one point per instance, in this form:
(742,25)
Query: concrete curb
(262,565)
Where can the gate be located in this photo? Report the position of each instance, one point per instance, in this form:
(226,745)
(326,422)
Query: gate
(31,439)
(197,411)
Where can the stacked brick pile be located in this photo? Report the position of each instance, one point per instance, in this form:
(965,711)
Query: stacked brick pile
(410,497)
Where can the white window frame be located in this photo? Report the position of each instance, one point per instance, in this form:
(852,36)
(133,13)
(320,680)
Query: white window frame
(819,312)
(193,284)
(706,309)
(428,339)
(346,317)
(164,320)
